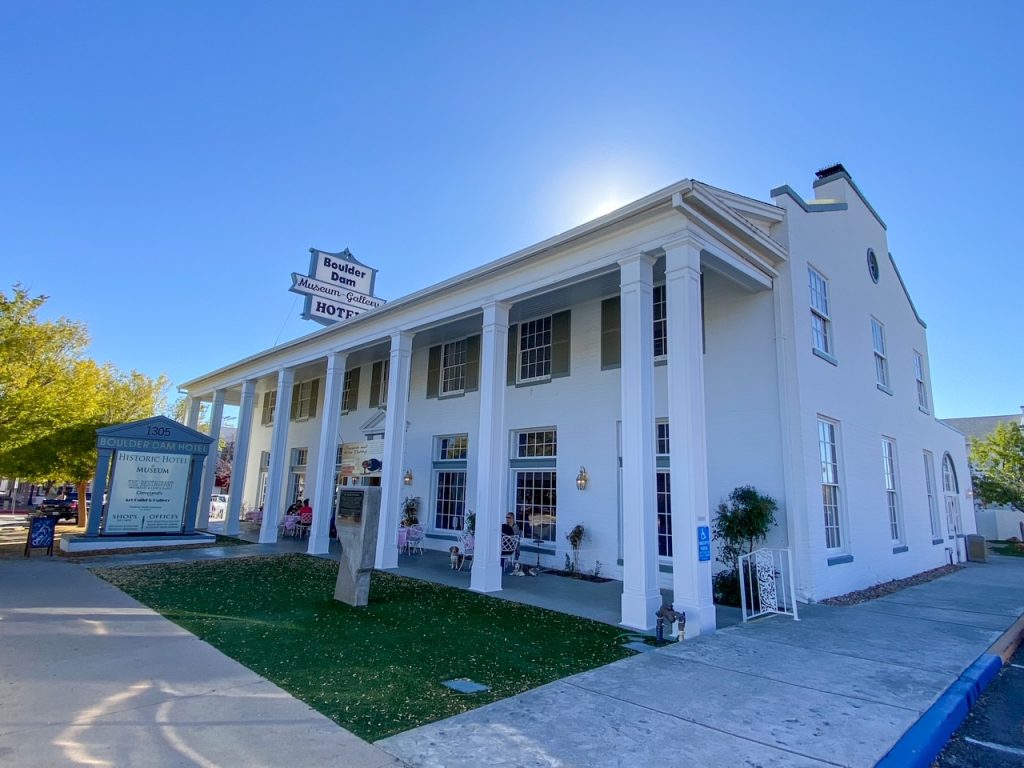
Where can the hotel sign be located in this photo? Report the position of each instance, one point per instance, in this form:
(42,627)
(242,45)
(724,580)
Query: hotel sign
(337,287)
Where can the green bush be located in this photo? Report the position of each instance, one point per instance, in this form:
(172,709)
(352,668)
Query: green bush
(738,528)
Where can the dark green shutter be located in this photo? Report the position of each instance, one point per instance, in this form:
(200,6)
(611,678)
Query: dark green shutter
(472,364)
(376,374)
(513,356)
(560,332)
(611,333)
(314,393)
(434,371)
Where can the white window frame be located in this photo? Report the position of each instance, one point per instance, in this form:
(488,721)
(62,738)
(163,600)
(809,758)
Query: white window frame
(933,504)
(297,474)
(821,337)
(532,459)
(385,376)
(269,408)
(453,368)
(348,393)
(831,484)
(660,302)
(538,356)
(922,388)
(881,360)
(663,487)
(891,481)
(304,390)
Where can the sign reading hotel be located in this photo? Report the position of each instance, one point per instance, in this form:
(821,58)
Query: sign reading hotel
(337,287)
(147,493)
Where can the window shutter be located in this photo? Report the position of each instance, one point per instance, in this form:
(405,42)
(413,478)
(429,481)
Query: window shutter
(295,402)
(434,371)
(611,333)
(314,393)
(560,331)
(513,349)
(472,364)
(376,374)
(355,389)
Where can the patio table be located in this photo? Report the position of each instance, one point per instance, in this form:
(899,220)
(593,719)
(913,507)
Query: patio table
(403,538)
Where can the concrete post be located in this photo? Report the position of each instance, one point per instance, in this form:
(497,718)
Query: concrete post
(246,413)
(330,417)
(278,457)
(394,449)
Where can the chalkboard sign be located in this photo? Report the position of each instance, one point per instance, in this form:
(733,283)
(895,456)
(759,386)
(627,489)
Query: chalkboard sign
(350,507)
(41,532)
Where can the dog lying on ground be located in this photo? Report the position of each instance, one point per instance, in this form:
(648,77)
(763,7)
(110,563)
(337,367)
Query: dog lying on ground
(456,558)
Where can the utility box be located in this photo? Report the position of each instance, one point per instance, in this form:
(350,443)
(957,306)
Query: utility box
(976,551)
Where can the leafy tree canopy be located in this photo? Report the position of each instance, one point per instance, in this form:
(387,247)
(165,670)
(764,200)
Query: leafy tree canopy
(997,463)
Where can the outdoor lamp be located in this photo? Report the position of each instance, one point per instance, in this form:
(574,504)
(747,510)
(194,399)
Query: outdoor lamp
(407,478)
(582,478)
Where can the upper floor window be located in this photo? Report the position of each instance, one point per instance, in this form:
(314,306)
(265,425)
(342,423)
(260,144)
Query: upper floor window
(922,391)
(535,349)
(304,399)
(453,367)
(821,319)
(452,448)
(881,362)
(350,390)
(660,322)
(536,444)
(269,405)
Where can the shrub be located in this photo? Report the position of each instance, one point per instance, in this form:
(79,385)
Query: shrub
(739,527)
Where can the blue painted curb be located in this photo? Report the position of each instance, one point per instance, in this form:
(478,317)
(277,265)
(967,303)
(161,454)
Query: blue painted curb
(924,740)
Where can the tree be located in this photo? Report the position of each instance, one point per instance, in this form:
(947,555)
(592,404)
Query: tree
(997,466)
(739,526)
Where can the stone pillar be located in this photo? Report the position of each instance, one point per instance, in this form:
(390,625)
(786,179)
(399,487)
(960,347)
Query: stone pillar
(691,579)
(210,469)
(394,449)
(323,503)
(278,457)
(195,405)
(246,414)
(641,596)
(99,488)
(491,451)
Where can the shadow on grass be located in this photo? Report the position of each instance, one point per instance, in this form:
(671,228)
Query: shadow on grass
(376,670)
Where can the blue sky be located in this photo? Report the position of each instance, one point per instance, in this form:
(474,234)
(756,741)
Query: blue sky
(167,166)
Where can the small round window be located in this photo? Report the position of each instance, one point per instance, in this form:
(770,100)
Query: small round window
(872,266)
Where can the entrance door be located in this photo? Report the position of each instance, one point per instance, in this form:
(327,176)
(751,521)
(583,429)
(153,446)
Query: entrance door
(951,494)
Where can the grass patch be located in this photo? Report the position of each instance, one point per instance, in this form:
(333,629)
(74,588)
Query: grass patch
(376,670)
(1009,548)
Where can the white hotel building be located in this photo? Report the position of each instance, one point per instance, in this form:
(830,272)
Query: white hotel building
(691,342)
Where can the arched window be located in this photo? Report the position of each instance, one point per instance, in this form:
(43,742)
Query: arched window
(949,483)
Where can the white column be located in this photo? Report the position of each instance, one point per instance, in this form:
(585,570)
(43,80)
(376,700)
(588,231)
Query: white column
(491,451)
(246,412)
(278,457)
(691,579)
(323,503)
(195,405)
(210,468)
(394,449)
(641,596)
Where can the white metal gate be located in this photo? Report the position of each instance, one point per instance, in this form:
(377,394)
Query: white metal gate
(767,584)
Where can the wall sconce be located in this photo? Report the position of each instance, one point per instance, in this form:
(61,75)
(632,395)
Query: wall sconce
(407,477)
(582,479)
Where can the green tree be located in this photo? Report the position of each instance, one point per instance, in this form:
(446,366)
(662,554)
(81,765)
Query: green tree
(997,466)
(738,527)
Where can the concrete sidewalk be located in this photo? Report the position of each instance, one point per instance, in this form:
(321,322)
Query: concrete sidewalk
(90,677)
(838,688)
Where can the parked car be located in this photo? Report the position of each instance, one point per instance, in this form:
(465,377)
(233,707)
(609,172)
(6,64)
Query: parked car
(218,506)
(64,506)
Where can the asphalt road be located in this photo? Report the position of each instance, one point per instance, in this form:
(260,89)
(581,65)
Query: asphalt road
(993,733)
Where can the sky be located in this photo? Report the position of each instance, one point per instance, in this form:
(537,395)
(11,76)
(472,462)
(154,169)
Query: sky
(164,167)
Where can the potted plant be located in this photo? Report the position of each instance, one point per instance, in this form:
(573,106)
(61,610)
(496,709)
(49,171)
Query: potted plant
(575,539)
(410,511)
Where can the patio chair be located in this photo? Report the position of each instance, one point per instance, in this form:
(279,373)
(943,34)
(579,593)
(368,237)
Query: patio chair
(467,544)
(509,548)
(414,539)
(304,524)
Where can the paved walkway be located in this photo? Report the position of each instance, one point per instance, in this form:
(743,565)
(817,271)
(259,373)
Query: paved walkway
(89,677)
(838,688)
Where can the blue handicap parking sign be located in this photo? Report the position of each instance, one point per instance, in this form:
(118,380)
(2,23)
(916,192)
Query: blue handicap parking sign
(703,543)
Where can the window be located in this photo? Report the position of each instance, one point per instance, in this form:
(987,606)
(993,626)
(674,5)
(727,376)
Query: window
(350,390)
(269,404)
(297,474)
(663,493)
(661,438)
(933,506)
(535,482)
(830,491)
(821,322)
(892,497)
(535,349)
(453,367)
(261,485)
(452,448)
(306,393)
(881,363)
(951,494)
(450,452)
(922,392)
(660,322)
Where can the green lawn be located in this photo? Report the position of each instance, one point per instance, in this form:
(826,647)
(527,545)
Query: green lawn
(375,670)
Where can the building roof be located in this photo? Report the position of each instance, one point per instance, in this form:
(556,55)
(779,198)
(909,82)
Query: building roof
(980,426)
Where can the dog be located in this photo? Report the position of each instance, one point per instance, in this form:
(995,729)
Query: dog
(456,558)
